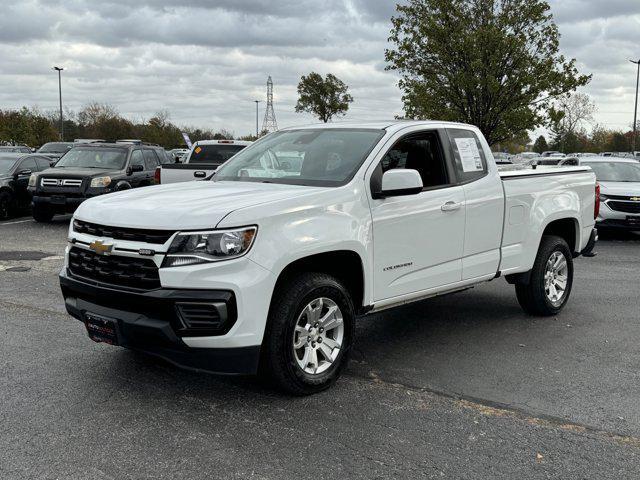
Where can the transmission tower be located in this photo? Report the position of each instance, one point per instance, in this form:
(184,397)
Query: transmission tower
(269,123)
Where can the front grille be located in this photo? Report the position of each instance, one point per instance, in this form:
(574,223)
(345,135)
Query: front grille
(61,182)
(627,207)
(120,233)
(139,273)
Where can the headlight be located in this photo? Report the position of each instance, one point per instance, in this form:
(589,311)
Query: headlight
(603,198)
(191,248)
(100,182)
(32,180)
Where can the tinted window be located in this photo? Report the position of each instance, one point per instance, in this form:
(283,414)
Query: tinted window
(88,157)
(421,152)
(55,147)
(470,162)
(150,160)
(215,154)
(28,164)
(136,158)
(43,163)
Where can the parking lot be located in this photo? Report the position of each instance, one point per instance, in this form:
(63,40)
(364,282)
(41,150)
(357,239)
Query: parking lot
(462,386)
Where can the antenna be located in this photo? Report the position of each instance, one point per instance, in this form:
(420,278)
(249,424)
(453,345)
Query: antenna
(269,123)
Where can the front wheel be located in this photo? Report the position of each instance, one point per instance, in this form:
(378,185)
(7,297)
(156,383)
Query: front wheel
(309,333)
(551,279)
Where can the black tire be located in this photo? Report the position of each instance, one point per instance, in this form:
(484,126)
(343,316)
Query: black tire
(279,361)
(42,214)
(532,296)
(6,205)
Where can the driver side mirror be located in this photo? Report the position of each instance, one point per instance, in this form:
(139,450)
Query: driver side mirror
(134,168)
(400,181)
(24,173)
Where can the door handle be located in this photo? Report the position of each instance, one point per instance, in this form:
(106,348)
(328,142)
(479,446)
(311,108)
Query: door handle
(451,206)
(199,174)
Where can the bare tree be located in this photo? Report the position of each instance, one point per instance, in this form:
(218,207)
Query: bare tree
(577,109)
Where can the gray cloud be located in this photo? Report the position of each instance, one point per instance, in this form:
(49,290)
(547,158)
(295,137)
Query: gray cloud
(206,61)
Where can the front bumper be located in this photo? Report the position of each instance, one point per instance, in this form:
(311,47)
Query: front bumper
(148,321)
(59,204)
(619,223)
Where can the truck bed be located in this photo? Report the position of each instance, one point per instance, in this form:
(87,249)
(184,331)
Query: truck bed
(534,197)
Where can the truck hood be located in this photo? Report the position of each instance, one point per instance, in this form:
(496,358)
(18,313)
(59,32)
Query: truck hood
(183,206)
(626,189)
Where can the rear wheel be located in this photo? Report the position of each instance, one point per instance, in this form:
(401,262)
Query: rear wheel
(42,214)
(551,279)
(309,333)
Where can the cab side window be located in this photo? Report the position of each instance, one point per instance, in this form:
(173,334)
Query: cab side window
(422,152)
(43,163)
(28,164)
(468,155)
(136,158)
(150,160)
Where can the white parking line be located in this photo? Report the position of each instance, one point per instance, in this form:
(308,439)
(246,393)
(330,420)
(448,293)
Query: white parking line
(18,221)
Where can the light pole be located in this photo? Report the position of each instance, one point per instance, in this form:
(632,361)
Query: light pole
(257,102)
(635,109)
(59,69)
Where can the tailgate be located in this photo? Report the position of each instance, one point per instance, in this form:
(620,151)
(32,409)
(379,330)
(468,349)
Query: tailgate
(185,172)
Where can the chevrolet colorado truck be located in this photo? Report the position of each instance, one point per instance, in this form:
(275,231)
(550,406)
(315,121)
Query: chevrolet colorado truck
(266,270)
(201,161)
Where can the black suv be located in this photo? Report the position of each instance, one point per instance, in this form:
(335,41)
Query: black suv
(88,170)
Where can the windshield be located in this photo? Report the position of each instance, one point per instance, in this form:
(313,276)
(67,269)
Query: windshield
(303,157)
(6,165)
(615,171)
(55,147)
(215,154)
(102,158)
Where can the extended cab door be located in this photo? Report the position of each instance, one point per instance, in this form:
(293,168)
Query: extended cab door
(484,198)
(418,238)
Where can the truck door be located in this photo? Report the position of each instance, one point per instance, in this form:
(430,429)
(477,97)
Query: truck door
(484,200)
(418,239)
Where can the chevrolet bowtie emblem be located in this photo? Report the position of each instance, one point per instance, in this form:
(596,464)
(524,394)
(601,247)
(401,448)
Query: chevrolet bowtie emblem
(634,199)
(101,248)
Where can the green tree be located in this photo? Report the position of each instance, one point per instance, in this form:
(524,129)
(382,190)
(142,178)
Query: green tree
(493,63)
(618,143)
(540,144)
(324,98)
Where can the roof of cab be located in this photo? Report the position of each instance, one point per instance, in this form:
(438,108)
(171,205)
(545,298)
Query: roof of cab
(389,125)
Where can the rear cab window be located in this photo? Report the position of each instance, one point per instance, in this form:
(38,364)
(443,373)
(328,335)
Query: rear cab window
(469,158)
(215,154)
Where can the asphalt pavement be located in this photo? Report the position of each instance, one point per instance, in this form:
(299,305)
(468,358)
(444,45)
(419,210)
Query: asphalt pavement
(462,386)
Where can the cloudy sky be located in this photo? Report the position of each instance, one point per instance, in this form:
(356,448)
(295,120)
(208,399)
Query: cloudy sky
(207,60)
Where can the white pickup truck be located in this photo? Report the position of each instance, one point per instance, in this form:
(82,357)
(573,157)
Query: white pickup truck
(256,269)
(201,162)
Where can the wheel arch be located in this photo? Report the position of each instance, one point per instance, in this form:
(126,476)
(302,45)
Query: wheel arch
(567,228)
(345,265)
